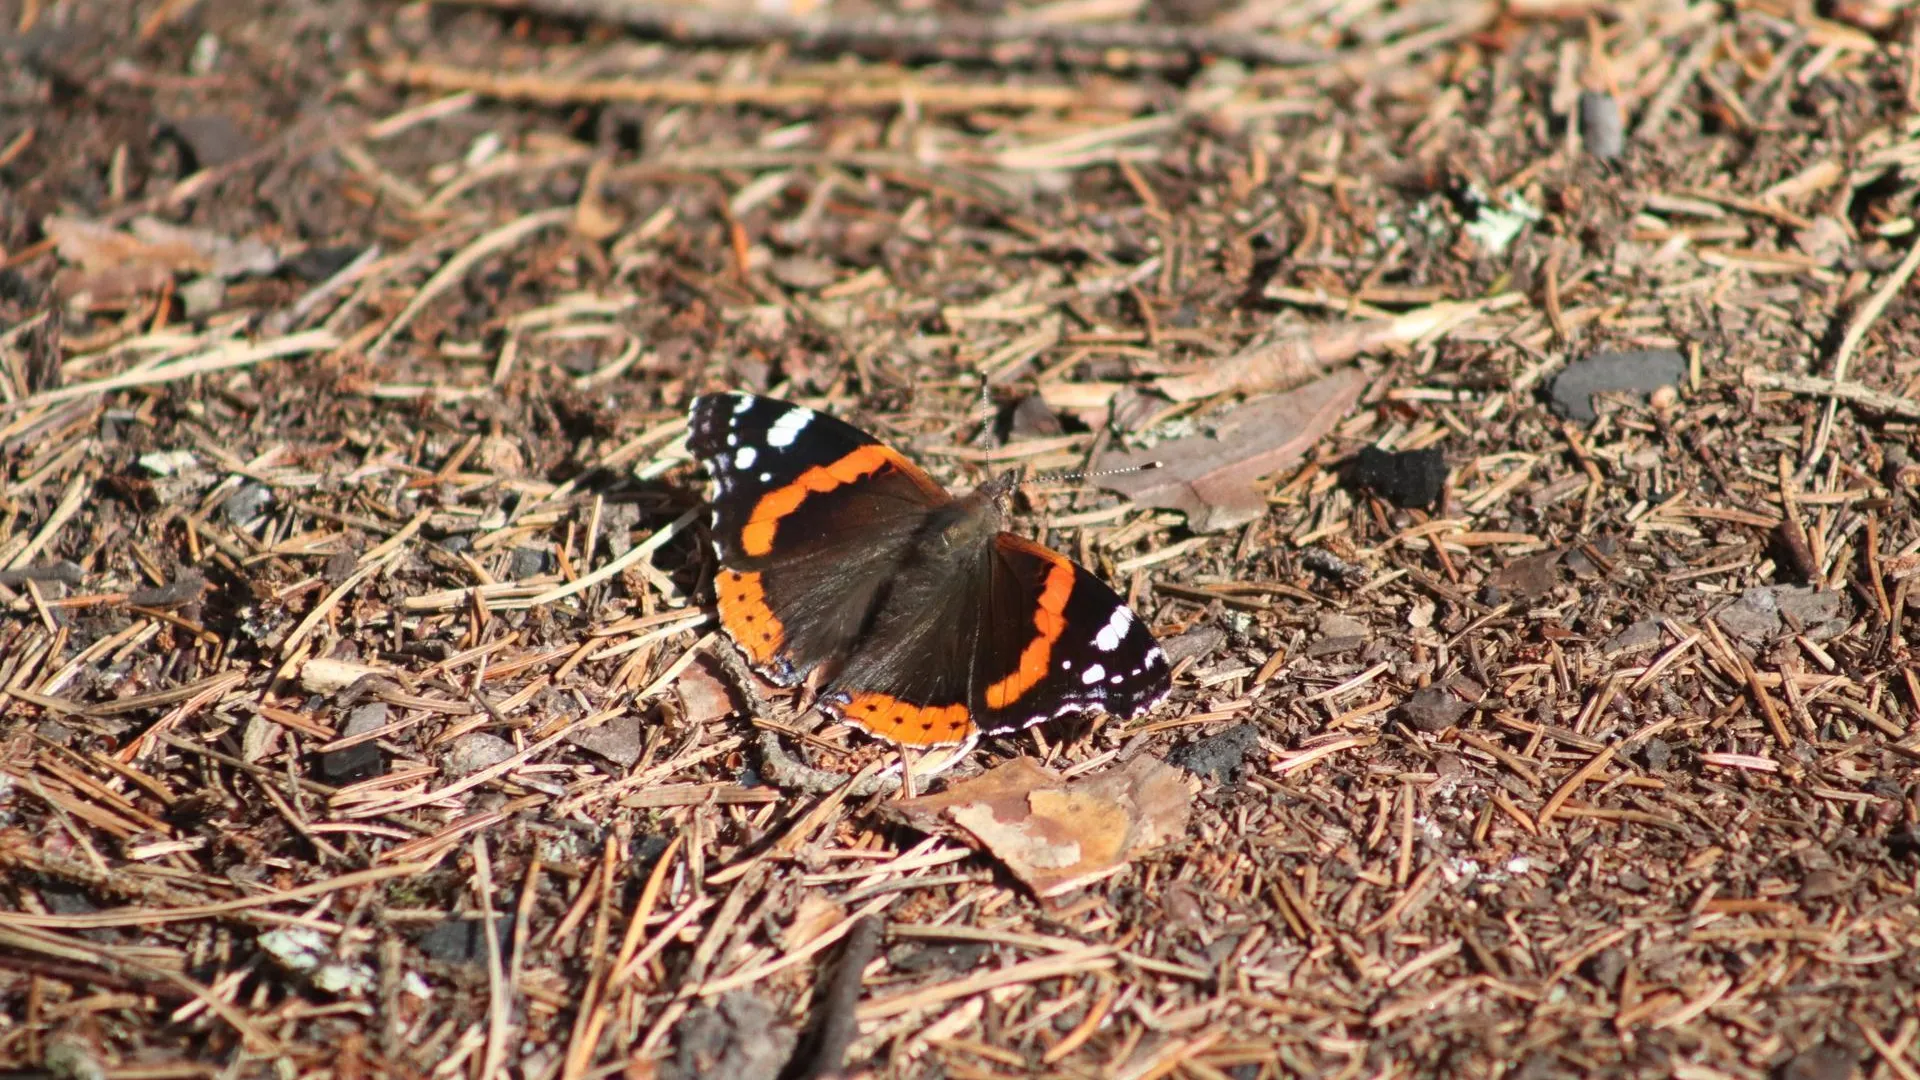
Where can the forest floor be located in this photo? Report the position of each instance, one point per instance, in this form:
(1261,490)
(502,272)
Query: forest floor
(355,597)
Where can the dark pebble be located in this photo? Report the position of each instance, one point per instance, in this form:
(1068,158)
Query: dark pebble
(1905,844)
(1529,576)
(1819,884)
(618,740)
(321,263)
(1033,419)
(1606,967)
(361,761)
(463,941)
(913,959)
(739,1037)
(1655,754)
(182,589)
(1199,642)
(351,764)
(63,571)
(1432,708)
(1821,1061)
(526,562)
(1407,478)
(1218,758)
(209,139)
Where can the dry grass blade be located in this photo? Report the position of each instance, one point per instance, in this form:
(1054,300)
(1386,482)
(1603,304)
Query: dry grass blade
(1080,961)
(220,358)
(898,34)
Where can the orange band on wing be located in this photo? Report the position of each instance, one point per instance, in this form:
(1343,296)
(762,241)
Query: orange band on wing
(1049,619)
(747,619)
(757,537)
(907,723)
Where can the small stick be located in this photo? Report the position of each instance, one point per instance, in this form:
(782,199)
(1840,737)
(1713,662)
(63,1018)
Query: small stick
(1850,342)
(926,35)
(1855,393)
(838,1022)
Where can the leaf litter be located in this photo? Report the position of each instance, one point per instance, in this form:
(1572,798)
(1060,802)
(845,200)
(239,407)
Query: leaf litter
(1602,764)
(1056,835)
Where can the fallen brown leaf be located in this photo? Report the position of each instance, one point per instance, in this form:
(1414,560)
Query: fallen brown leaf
(107,266)
(1059,835)
(704,695)
(1210,478)
(96,247)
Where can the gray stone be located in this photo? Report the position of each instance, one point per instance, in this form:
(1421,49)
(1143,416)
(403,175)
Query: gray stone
(1656,754)
(618,740)
(1600,124)
(1638,637)
(1822,1061)
(1221,757)
(526,562)
(247,503)
(1199,642)
(475,751)
(369,717)
(1807,606)
(1607,967)
(209,139)
(202,296)
(464,941)
(1819,884)
(1765,612)
(363,760)
(1432,708)
(1613,372)
(740,1037)
(1335,625)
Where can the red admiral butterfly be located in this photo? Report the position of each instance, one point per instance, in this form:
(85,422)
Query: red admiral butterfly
(931,624)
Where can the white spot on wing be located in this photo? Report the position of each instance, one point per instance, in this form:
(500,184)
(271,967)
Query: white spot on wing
(1110,635)
(741,403)
(745,457)
(788,427)
(1093,674)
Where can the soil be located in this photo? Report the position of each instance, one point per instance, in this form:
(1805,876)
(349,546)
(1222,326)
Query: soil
(361,714)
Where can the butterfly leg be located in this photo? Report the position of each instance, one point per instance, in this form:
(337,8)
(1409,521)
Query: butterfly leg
(748,684)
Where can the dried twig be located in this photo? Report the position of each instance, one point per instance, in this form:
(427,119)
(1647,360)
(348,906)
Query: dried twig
(929,97)
(838,1023)
(1850,343)
(907,36)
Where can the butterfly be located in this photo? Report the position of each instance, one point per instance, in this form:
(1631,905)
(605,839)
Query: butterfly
(930,623)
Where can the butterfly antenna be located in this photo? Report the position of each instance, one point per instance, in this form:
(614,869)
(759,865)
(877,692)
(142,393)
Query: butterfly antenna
(1082,476)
